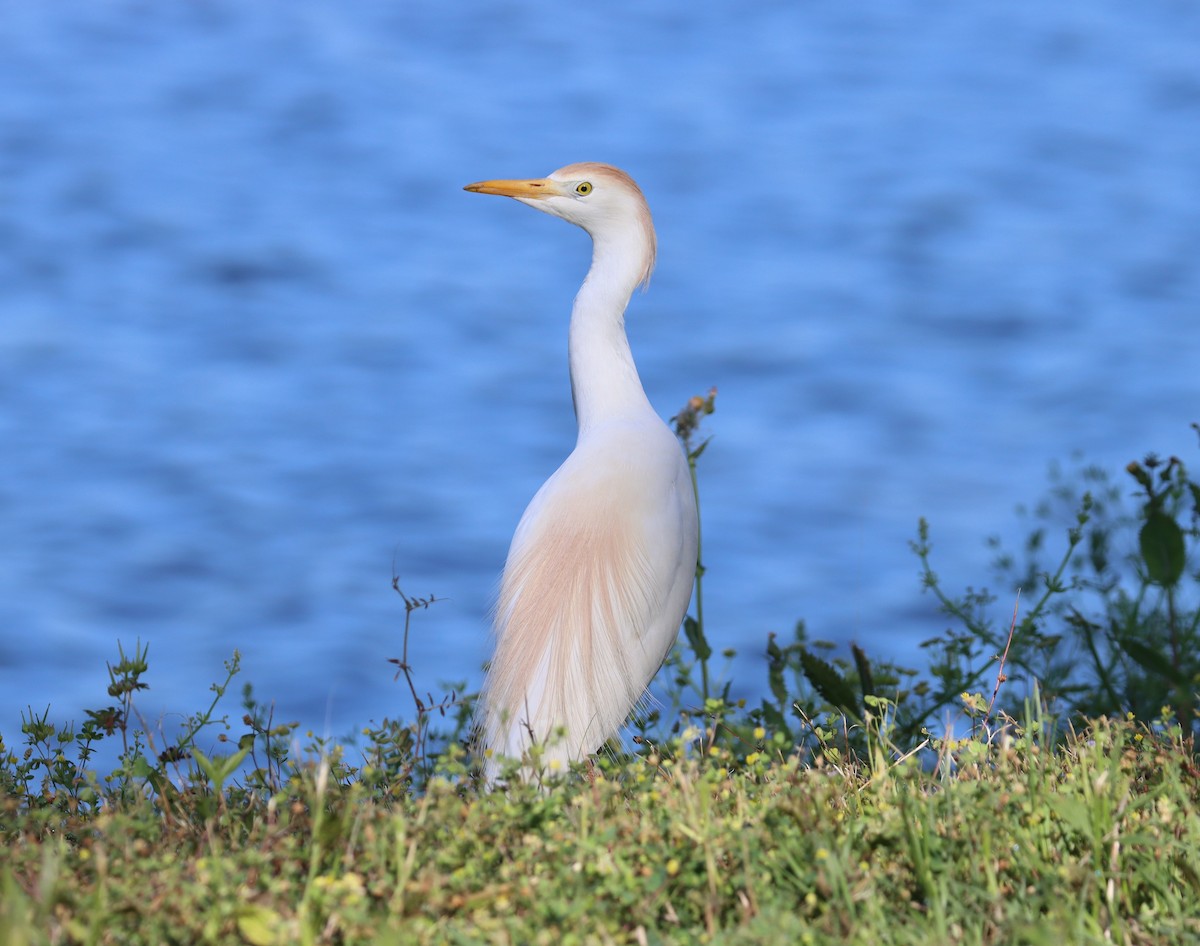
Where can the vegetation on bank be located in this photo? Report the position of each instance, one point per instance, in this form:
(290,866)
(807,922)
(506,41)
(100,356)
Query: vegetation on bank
(1062,807)
(1011,840)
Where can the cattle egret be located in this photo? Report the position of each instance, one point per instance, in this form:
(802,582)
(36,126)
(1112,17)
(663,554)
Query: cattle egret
(601,567)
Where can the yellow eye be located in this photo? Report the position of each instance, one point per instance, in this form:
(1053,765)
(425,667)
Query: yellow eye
(583,189)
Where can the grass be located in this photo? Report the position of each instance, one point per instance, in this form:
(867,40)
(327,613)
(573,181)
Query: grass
(827,813)
(1003,840)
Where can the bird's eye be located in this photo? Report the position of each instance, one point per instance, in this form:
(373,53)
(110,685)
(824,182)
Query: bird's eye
(583,188)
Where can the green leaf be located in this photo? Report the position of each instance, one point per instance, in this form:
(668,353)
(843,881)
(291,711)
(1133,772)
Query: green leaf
(141,767)
(1162,549)
(1150,659)
(219,768)
(828,682)
(775,664)
(696,639)
(259,926)
(1074,813)
(865,679)
(773,718)
(695,454)
(206,766)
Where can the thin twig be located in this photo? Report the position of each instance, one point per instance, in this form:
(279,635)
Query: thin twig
(1000,677)
(423,708)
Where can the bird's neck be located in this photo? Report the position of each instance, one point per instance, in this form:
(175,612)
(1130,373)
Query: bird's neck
(604,380)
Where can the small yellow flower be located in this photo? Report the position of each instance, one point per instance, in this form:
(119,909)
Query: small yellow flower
(760,733)
(672,867)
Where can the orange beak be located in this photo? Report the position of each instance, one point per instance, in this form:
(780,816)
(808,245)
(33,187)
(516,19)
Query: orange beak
(526,190)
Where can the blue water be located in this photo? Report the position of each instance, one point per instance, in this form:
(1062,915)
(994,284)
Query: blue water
(259,349)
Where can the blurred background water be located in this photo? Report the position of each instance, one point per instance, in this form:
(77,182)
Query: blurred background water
(259,352)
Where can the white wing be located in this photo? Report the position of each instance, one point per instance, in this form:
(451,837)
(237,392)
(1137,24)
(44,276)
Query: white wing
(598,579)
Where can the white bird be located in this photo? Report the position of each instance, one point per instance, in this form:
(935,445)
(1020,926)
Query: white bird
(601,567)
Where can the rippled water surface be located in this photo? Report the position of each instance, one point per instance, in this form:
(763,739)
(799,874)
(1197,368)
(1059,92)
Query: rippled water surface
(259,349)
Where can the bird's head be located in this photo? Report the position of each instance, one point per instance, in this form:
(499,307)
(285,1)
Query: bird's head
(602,199)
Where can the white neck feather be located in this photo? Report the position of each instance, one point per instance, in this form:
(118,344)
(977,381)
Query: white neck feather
(604,380)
